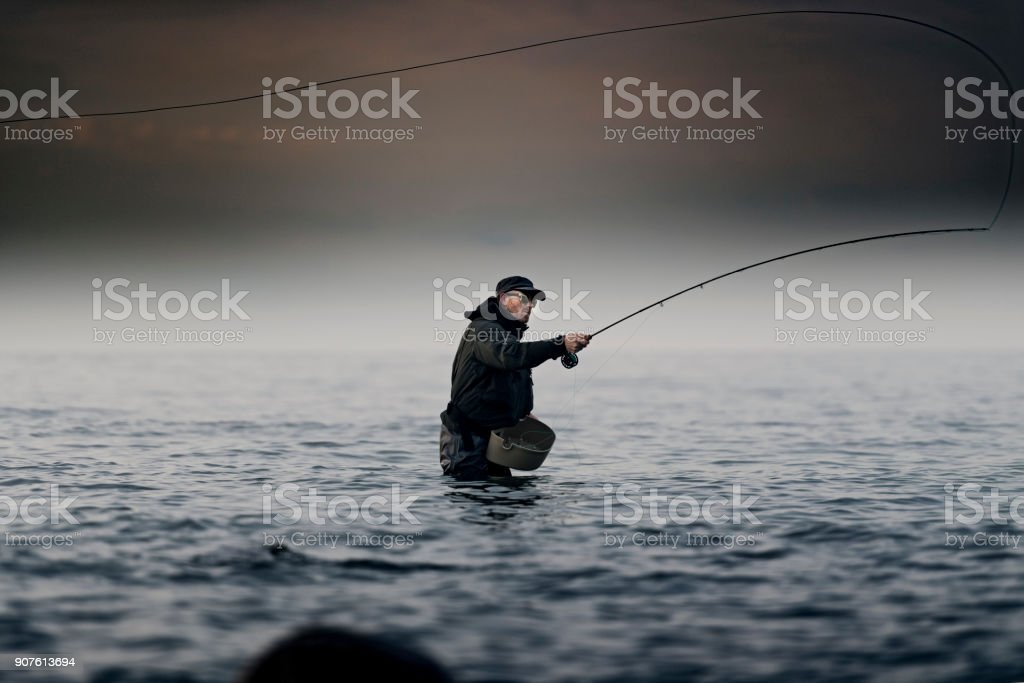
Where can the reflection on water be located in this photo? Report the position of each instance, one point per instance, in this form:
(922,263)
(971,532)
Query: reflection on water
(174,571)
(491,502)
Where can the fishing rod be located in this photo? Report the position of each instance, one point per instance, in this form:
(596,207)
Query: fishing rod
(571,360)
(541,44)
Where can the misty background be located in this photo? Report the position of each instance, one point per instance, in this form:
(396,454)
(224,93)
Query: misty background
(340,244)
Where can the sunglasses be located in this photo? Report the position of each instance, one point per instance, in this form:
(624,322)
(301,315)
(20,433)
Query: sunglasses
(523,299)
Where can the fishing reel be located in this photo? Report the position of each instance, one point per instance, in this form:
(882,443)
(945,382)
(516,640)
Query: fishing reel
(569,360)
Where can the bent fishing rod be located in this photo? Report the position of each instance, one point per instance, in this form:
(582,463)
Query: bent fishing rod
(571,360)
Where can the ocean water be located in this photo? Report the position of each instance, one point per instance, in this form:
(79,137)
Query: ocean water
(844,568)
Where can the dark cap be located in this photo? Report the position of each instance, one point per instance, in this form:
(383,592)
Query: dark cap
(520,284)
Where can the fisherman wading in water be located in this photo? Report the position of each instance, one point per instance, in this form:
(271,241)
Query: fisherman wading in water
(492,383)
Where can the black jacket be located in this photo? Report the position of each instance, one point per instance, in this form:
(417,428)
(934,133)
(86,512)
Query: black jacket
(492,386)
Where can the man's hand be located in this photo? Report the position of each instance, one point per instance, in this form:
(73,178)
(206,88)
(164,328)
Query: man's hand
(575,341)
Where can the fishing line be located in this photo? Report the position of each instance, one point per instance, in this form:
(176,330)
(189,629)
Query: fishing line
(571,401)
(544,43)
(589,36)
(569,360)
(619,348)
(572,398)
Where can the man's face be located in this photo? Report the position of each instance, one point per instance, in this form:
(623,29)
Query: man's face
(517,305)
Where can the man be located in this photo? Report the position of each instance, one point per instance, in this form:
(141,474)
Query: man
(492,383)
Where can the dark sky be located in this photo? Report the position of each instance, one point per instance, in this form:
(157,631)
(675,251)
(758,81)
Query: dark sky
(508,171)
